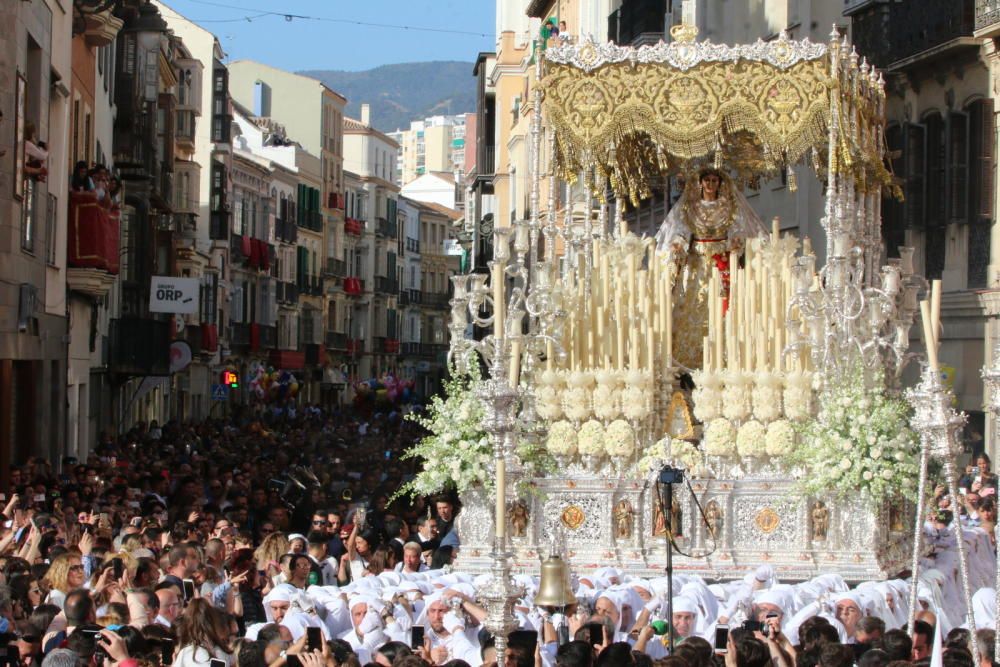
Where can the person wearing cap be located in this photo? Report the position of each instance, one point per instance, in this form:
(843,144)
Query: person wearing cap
(446,635)
(684,616)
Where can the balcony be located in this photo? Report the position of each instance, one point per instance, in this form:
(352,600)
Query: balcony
(385,228)
(412,245)
(987,18)
(100,29)
(203,338)
(287,293)
(384,285)
(184,132)
(335,200)
(252,335)
(353,227)
(904,36)
(336,268)
(637,22)
(92,239)
(311,220)
(336,340)
(140,347)
(354,286)
(311,285)
(435,299)
(218,225)
(239,334)
(404,298)
(410,349)
(355,346)
(384,345)
(286,231)
(289,360)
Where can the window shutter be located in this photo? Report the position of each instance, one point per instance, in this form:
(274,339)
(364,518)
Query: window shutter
(915,160)
(983,138)
(958,167)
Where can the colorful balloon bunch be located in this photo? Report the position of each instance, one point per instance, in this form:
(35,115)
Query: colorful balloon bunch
(385,390)
(268,384)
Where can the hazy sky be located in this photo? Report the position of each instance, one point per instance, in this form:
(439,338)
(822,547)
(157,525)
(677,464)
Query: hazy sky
(335,42)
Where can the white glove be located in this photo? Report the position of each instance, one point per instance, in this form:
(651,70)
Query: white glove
(371,622)
(452,623)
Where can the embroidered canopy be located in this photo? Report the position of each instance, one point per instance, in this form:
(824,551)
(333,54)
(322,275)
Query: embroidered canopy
(639,114)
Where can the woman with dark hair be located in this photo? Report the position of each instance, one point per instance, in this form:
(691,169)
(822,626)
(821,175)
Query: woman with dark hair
(390,651)
(361,547)
(299,567)
(81,178)
(203,634)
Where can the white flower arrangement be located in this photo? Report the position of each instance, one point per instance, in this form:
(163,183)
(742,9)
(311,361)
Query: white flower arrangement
(750,439)
(767,397)
(656,456)
(707,395)
(798,395)
(780,439)
(619,439)
(580,379)
(720,438)
(607,401)
(736,396)
(590,439)
(577,402)
(635,402)
(562,439)
(548,402)
(844,457)
(456,453)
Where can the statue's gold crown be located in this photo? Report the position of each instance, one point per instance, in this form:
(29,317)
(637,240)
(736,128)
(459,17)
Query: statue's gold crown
(682,32)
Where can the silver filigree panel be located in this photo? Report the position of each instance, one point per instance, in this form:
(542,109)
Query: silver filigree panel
(782,53)
(764,522)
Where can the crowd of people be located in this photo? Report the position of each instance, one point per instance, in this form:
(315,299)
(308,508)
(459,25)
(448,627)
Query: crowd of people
(277,538)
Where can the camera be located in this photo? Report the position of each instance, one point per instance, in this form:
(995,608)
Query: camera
(755,626)
(670,475)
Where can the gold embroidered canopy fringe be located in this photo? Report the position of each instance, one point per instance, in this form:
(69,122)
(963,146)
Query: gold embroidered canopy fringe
(637,115)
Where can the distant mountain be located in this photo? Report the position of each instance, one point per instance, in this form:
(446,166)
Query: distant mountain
(404,92)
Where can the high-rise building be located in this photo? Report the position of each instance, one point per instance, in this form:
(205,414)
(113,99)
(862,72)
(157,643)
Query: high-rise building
(435,144)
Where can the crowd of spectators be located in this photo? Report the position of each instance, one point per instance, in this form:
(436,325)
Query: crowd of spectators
(276,538)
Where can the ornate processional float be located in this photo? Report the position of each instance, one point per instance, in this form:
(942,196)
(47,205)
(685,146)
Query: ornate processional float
(719,347)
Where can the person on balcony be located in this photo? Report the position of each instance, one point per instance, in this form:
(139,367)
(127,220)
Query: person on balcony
(81,178)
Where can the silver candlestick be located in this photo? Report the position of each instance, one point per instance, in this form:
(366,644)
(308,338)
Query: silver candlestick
(938,425)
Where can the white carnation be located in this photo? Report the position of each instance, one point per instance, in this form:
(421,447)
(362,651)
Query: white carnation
(562,440)
(590,439)
(720,438)
(619,439)
(780,439)
(751,439)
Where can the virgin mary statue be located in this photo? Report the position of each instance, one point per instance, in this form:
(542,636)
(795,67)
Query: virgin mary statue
(710,220)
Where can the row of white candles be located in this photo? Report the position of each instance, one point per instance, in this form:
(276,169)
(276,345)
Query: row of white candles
(751,335)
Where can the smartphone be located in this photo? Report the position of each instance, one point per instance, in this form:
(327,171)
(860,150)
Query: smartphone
(388,455)
(721,638)
(166,651)
(596,631)
(417,637)
(118,566)
(215,662)
(314,639)
(188,590)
